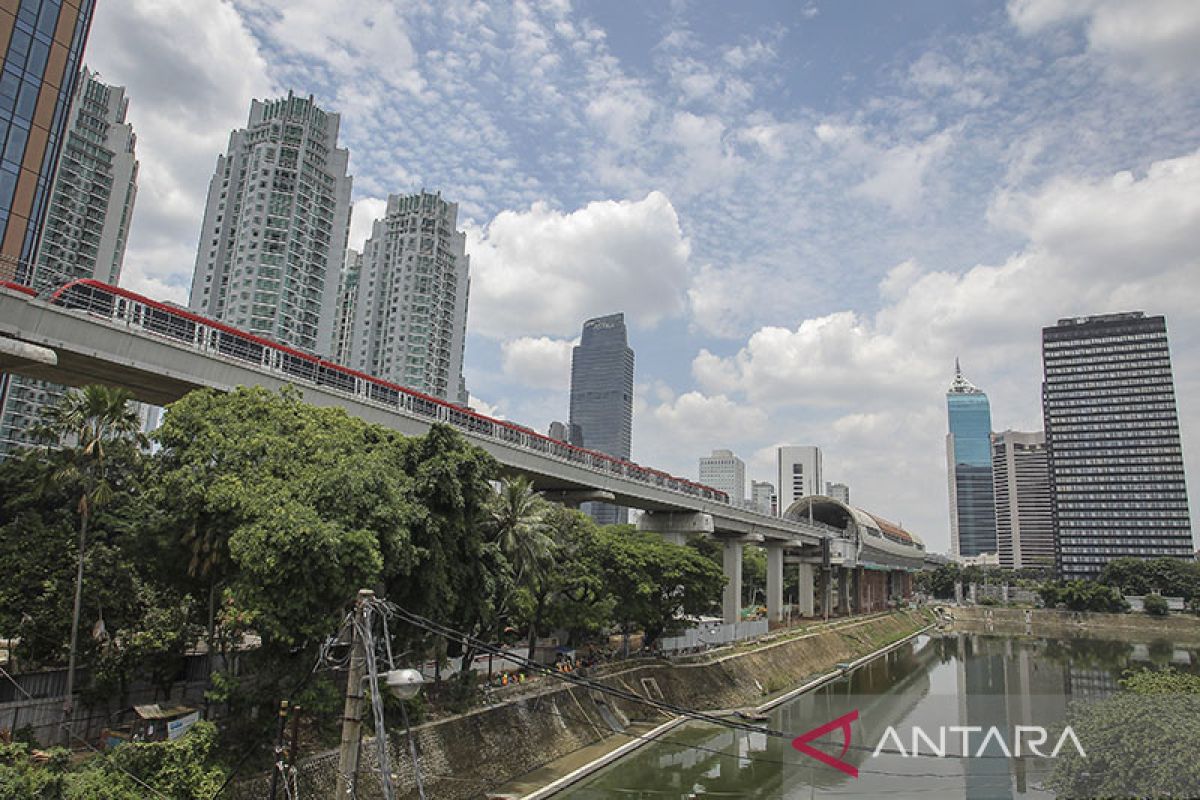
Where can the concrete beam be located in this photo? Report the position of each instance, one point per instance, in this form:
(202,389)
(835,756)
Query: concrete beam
(731,604)
(573,499)
(15,353)
(774,581)
(676,526)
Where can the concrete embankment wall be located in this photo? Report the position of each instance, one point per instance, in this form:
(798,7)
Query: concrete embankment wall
(1057,622)
(467,756)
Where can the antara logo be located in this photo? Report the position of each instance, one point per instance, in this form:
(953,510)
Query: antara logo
(1037,736)
(1026,740)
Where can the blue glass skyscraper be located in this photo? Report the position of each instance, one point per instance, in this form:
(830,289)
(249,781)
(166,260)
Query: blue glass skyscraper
(969,463)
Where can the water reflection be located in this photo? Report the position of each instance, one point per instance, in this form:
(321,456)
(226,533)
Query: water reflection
(962,679)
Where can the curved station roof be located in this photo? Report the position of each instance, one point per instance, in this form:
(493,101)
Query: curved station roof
(870,531)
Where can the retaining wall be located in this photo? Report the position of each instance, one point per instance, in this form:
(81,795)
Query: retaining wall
(467,756)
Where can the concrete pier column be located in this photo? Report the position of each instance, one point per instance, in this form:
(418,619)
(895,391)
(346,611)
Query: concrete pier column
(731,604)
(825,590)
(805,586)
(774,581)
(843,601)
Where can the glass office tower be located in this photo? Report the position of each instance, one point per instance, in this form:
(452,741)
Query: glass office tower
(969,464)
(42,42)
(602,398)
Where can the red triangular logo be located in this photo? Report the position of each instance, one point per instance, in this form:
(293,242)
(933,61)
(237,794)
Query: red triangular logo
(842,723)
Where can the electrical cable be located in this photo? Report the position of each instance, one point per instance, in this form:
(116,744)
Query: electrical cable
(365,631)
(322,656)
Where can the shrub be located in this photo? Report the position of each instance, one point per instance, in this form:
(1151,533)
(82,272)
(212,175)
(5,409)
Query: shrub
(1155,605)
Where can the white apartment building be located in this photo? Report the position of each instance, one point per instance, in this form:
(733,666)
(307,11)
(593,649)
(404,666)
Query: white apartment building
(410,321)
(799,473)
(726,472)
(762,497)
(274,236)
(86,227)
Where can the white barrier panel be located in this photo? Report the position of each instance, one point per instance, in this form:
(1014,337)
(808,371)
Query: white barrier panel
(713,634)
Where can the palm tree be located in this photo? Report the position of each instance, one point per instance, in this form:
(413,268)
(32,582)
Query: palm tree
(83,425)
(518,527)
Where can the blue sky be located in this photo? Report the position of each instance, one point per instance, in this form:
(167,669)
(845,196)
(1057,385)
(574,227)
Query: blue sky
(806,210)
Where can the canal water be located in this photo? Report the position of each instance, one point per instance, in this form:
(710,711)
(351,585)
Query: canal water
(960,680)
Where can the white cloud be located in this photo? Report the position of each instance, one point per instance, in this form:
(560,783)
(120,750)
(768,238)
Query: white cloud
(344,38)
(543,271)
(893,175)
(538,362)
(1157,41)
(191,68)
(869,388)
(484,407)
(365,212)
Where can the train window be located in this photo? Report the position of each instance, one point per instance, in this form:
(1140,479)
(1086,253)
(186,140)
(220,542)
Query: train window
(298,367)
(327,376)
(164,322)
(86,298)
(383,394)
(424,406)
(238,347)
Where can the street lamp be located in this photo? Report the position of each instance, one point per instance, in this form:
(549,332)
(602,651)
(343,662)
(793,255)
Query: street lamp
(404,684)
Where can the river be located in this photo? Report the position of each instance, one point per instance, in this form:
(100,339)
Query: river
(960,679)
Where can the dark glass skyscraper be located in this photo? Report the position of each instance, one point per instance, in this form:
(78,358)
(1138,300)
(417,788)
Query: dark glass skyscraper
(602,397)
(1116,464)
(42,42)
(969,464)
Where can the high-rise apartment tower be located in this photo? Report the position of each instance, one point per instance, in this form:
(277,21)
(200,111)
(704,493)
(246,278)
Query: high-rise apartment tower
(1024,513)
(410,322)
(86,227)
(347,302)
(726,472)
(273,242)
(602,397)
(798,468)
(762,496)
(1116,462)
(838,491)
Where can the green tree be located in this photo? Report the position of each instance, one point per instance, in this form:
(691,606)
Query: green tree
(939,582)
(569,592)
(454,570)
(182,769)
(1155,605)
(1172,577)
(1158,711)
(1082,595)
(83,425)
(655,582)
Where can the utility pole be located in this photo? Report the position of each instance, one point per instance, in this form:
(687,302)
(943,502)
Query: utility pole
(352,715)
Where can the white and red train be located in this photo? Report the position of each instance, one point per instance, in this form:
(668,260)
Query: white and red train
(180,325)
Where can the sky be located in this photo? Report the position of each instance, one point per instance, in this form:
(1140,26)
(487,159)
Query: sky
(806,210)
